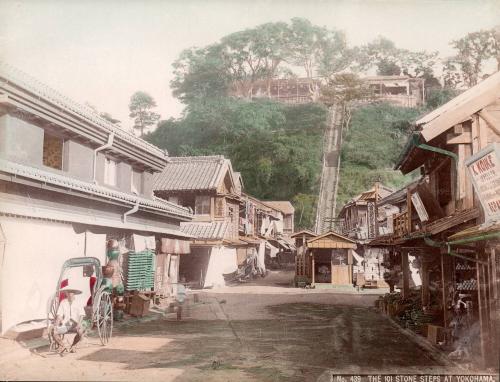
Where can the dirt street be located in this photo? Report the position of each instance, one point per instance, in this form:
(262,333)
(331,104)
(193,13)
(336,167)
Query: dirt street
(244,333)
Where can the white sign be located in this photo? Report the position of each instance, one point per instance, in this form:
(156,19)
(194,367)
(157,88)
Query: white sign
(484,169)
(419,207)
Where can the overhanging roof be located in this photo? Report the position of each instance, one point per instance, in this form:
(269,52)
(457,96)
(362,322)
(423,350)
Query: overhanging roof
(435,123)
(30,95)
(197,173)
(11,208)
(460,108)
(304,232)
(283,206)
(331,240)
(482,231)
(60,180)
(215,230)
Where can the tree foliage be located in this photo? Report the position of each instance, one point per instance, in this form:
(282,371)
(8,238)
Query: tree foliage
(473,51)
(375,137)
(243,60)
(140,107)
(276,147)
(383,55)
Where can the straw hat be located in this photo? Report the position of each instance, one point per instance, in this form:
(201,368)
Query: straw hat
(70,290)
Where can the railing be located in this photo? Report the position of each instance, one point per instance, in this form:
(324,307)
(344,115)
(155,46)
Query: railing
(401,224)
(399,99)
(394,99)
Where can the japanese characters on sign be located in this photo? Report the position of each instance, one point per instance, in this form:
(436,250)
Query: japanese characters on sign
(484,169)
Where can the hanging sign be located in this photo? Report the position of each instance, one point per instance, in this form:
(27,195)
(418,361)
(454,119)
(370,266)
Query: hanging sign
(484,169)
(372,224)
(419,207)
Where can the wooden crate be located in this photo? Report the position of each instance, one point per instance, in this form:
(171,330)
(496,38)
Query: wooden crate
(139,305)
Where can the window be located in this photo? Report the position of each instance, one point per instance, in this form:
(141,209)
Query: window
(136,183)
(202,205)
(110,171)
(52,151)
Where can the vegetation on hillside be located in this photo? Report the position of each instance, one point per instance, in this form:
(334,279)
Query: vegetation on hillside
(276,147)
(372,144)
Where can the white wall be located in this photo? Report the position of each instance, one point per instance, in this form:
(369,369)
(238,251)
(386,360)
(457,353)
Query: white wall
(35,251)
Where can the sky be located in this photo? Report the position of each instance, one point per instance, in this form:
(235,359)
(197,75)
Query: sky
(102,51)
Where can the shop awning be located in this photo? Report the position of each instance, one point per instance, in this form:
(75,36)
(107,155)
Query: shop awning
(482,232)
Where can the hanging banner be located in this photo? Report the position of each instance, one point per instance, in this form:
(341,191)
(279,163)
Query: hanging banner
(372,224)
(484,169)
(175,246)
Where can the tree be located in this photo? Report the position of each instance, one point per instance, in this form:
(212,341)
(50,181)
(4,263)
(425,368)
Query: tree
(250,59)
(318,50)
(276,147)
(140,107)
(473,51)
(344,88)
(200,73)
(388,59)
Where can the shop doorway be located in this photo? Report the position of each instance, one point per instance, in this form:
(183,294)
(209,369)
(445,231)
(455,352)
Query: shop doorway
(193,267)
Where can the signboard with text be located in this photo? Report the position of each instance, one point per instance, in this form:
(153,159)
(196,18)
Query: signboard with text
(484,169)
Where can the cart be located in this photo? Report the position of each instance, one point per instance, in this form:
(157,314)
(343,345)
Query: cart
(99,313)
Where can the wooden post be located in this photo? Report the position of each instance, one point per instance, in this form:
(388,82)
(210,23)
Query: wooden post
(425,282)
(312,270)
(484,322)
(446,280)
(494,305)
(408,210)
(406,273)
(331,266)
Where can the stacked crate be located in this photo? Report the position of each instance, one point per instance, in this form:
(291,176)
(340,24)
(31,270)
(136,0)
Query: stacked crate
(140,270)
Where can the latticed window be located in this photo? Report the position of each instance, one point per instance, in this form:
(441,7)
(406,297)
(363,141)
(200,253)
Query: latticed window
(52,151)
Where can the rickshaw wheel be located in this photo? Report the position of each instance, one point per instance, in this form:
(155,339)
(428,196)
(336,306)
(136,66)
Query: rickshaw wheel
(104,317)
(52,306)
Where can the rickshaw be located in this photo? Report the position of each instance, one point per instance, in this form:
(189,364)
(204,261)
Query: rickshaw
(99,309)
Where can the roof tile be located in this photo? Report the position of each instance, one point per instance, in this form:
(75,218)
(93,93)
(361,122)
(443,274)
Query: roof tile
(191,173)
(79,185)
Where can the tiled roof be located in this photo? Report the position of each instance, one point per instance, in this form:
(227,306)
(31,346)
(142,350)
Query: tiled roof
(60,180)
(25,81)
(192,173)
(281,205)
(205,230)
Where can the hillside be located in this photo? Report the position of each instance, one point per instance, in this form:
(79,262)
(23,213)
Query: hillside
(372,143)
(276,147)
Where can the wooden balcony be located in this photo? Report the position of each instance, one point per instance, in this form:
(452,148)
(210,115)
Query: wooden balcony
(401,224)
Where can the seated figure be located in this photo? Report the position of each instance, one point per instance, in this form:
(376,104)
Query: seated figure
(68,320)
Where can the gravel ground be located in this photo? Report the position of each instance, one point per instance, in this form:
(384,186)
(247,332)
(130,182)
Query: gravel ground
(243,333)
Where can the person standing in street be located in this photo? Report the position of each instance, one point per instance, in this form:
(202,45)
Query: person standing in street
(180,297)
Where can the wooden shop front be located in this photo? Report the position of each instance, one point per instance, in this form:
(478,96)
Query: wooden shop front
(331,259)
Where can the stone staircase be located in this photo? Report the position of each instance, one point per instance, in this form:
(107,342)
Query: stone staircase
(325,212)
